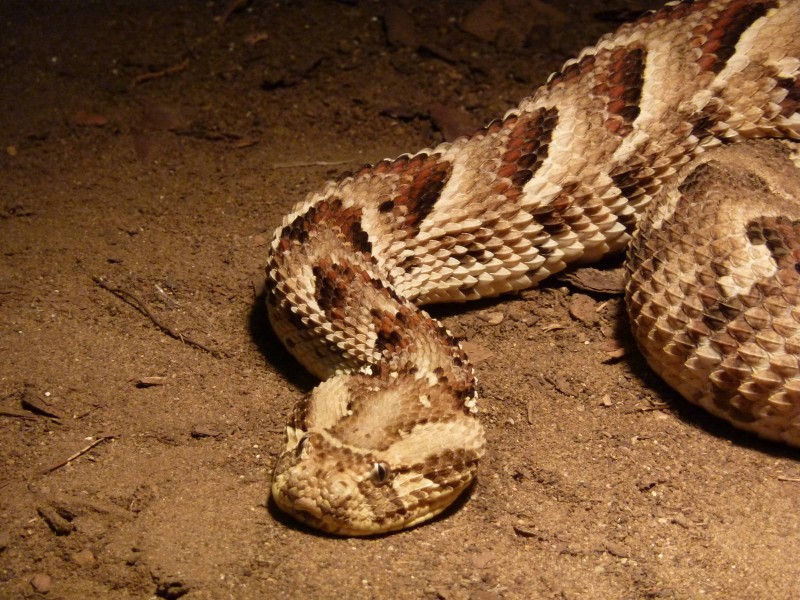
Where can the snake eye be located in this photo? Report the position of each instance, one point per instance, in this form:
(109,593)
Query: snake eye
(380,473)
(301,445)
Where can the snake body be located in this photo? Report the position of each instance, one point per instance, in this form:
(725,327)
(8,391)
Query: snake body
(647,141)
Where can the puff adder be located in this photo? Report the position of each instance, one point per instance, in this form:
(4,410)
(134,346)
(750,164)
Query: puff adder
(656,140)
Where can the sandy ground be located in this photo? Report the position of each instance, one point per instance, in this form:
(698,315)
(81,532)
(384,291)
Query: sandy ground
(155,147)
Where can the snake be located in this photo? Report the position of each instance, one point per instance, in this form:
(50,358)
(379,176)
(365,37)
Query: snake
(673,138)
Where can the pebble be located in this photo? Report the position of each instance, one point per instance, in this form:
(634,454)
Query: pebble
(84,558)
(41,583)
(582,308)
(476,353)
(617,550)
(493,318)
(202,430)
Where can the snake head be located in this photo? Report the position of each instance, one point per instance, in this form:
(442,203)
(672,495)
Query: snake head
(380,462)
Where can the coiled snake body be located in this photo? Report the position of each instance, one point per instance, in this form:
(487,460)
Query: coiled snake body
(646,141)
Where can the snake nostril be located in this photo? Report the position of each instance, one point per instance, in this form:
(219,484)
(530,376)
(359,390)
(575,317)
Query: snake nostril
(340,492)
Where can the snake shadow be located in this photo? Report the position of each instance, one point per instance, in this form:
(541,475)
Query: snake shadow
(691,414)
(271,348)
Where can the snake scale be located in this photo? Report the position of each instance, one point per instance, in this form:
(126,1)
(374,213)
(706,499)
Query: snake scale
(673,138)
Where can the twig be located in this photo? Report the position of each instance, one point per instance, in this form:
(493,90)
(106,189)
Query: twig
(78,454)
(651,407)
(159,74)
(10,412)
(230,8)
(316,163)
(785,478)
(142,307)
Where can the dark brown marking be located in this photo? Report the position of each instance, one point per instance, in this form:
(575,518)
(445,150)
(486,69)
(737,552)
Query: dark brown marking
(333,285)
(703,123)
(634,181)
(675,12)
(392,333)
(529,137)
(328,214)
(714,317)
(420,181)
(572,72)
(724,32)
(429,177)
(556,217)
(358,238)
(791,104)
(621,83)
(779,235)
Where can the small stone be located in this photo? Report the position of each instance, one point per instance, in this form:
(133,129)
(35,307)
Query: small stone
(605,401)
(613,355)
(563,385)
(41,583)
(493,318)
(617,550)
(476,353)
(205,431)
(582,308)
(84,558)
(11,150)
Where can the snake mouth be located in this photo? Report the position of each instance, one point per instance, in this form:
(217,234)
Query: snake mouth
(307,506)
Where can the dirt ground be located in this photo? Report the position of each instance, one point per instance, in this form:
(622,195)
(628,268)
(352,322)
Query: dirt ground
(147,151)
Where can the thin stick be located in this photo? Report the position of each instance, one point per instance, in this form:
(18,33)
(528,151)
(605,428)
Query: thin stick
(316,163)
(232,6)
(79,453)
(785,478)
(159,74)
(142,307)
(8,412)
